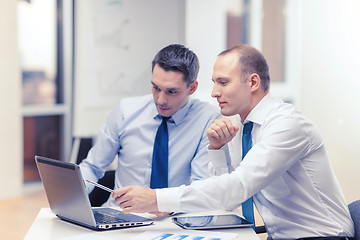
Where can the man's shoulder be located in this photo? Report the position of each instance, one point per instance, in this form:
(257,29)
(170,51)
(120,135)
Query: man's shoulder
(132,105)
(200,104)
(139,101)
(203,108)
(289,119)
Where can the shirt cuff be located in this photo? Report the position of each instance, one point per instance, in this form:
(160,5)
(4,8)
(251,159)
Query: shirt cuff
(168,199)
(218,159)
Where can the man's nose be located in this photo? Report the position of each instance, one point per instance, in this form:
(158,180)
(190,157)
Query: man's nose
(215,92)
(162,99)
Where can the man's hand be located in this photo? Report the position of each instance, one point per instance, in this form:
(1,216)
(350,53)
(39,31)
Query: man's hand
(160,214)
(220,132)
(136,199)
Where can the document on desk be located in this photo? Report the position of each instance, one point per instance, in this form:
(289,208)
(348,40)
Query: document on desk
(185,235)
(86,236)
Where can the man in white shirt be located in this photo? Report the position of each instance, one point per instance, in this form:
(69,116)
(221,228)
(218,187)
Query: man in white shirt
(286,172)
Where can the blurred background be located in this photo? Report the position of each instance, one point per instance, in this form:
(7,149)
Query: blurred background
(64,64)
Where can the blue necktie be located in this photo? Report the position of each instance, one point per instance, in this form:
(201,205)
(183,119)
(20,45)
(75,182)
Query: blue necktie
(247,206)
(159,170)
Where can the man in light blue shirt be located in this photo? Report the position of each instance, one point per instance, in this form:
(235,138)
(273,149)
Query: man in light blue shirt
(130,129)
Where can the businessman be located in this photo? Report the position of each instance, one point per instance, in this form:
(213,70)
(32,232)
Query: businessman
(273,156)
(160,139)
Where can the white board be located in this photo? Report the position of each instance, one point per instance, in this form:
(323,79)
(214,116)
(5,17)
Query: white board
(114,44)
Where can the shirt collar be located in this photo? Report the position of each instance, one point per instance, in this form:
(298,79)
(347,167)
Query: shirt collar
(261,110)
(178,116)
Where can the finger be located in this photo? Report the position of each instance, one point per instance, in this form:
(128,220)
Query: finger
(159,214)
(132,208)
(127,209)
(233,129)
(119,192)
(216,132)
(219,127)
(121,200)
(227,122)
(122,192)
(122,195)
(125,205)
(212,133)
(226,128)
(236,129)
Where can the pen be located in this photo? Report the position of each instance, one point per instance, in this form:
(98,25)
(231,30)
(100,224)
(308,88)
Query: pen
(99,186)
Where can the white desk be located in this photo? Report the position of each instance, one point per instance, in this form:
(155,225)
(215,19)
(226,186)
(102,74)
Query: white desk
(47,226)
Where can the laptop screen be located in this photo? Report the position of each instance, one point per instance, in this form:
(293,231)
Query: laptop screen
(65,190)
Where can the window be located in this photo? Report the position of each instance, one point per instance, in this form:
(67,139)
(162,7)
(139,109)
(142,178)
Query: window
(273,37)
(265,25)
(237,16)
(37,45)
(41,137)
(45,113)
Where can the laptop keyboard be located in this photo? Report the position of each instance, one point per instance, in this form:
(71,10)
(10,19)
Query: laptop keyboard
(106,218)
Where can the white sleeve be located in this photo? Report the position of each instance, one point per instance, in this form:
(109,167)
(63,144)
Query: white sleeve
(202,195)
(168,199)
(219,161)
(282,144)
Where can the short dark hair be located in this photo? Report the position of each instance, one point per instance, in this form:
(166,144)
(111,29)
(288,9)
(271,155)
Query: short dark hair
(178,58)
(251,61)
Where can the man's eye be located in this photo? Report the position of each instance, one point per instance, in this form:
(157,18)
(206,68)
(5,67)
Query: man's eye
(172,92)
(156,88)
(223,82)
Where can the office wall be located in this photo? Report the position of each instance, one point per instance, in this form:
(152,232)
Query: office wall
(326,64)
(11,171)
(205,34)
(330,83)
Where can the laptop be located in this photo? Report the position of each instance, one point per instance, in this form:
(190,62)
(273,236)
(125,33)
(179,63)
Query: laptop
(65,191)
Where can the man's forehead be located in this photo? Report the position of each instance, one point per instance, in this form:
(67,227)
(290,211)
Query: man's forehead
(163,86)
(224,66)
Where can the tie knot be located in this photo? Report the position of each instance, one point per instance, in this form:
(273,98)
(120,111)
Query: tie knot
(248,127)
(165,119)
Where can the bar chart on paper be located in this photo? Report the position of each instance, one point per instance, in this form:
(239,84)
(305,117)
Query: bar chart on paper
(185,235)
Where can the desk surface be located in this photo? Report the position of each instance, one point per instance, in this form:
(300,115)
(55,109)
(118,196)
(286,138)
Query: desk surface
(47,226)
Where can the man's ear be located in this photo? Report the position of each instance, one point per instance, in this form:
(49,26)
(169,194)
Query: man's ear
(255,81)
(193,87)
